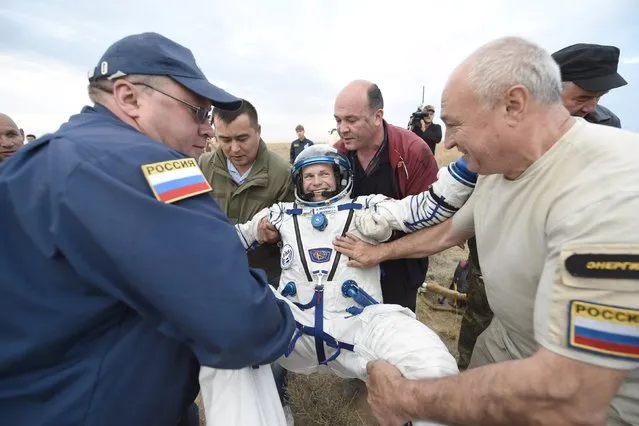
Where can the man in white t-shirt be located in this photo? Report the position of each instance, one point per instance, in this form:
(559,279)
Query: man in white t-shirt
(554,214)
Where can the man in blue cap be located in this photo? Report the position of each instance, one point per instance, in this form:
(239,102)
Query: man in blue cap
(589,71)
(121,275)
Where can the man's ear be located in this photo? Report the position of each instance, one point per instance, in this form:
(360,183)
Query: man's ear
(22,132)
(379,117)
(127,96)
(259,130)
(517,101)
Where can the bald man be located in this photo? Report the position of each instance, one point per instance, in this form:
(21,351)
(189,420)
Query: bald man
(386,160)
(11,137)
(553,208)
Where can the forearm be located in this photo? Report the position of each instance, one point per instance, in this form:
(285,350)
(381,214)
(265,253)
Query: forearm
(425,242)
(522,392)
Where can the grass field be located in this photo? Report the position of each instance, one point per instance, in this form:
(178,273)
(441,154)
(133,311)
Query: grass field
(316,400)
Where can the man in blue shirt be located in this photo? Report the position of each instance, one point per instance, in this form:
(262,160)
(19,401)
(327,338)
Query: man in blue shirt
(120,273)
(299,144)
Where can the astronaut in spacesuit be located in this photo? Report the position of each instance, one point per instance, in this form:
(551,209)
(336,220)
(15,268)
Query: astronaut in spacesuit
(342,322)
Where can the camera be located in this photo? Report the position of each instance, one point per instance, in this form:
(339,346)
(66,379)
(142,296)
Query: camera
(416,117)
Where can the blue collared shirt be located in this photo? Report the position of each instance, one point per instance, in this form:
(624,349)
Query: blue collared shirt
(235,175)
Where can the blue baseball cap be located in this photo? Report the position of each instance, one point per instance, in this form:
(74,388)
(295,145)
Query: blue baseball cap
(154,54)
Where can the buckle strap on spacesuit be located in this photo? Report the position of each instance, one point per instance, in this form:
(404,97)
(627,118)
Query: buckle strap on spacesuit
(324,337)
(318,332)
(319,325)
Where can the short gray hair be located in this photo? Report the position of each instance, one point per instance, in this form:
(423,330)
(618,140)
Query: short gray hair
(497,66)
(99,88)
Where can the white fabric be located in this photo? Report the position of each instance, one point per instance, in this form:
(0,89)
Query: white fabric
(374,225)
(241,397)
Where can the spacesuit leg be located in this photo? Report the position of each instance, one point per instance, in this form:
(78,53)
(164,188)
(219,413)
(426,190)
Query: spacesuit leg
(392,333)
(247,396)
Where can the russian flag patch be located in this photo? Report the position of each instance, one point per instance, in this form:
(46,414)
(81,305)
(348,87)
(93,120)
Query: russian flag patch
(175,180)
(605,330)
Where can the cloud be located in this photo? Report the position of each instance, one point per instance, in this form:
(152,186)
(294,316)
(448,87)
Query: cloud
(634,60)
(43,92)
(291,58)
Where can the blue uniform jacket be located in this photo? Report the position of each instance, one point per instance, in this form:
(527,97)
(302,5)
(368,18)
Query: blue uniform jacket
(107,294)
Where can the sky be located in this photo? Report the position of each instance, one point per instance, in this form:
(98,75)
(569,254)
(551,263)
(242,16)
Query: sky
(290,58)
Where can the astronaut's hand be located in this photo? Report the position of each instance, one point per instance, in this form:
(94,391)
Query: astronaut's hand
(373,225)
(266,232)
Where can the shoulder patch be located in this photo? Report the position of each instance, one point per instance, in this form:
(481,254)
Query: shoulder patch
(604,329)
(175,180)
(599,265)
(286,258)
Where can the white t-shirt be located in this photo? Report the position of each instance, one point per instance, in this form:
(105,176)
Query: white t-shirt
(559,253)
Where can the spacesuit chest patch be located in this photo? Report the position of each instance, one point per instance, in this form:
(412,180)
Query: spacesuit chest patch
(320,255)
(287,257)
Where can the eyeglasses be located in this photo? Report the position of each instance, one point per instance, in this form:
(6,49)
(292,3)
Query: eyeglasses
(202,115)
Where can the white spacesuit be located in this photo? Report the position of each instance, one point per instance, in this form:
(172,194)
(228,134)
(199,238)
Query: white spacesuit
(342,323)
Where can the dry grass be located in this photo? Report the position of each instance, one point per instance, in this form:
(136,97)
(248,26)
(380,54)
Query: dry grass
(316,400)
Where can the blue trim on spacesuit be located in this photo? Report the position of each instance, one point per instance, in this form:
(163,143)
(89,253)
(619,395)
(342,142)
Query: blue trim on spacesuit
(318,332)
(459,170)
(351,289)
(423,216)
(341,207)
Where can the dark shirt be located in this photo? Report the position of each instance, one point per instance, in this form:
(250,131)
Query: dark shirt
(432,135)
(376,181)
(603,115)
(401,277)
(298,146)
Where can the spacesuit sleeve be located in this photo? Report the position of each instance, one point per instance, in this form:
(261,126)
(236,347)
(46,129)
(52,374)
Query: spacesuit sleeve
(181,266)
(247,231)
(446,196)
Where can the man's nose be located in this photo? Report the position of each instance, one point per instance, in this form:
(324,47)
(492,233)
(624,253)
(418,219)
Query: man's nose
(206,130)
(449,143)
(590,106)
(235,146)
